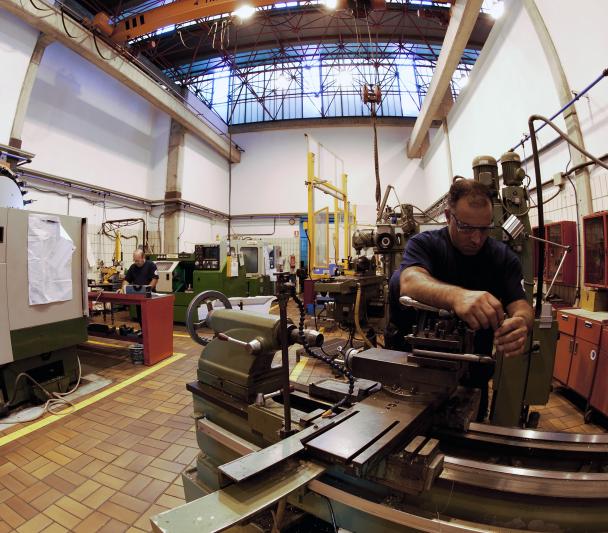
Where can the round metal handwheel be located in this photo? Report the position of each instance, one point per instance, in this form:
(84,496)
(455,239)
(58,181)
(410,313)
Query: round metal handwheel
(193,323)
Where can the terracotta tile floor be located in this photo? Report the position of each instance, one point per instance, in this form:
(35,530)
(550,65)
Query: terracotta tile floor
(112,464)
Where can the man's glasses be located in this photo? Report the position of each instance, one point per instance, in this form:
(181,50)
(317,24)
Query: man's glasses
(468,229)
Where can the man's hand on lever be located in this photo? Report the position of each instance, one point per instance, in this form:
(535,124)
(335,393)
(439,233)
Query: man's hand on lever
(479,309)
(510,338)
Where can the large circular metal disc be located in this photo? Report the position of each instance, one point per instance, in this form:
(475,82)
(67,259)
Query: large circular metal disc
(10,193)
(193,320)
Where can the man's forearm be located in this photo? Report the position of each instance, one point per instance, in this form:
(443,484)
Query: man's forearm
(418,284)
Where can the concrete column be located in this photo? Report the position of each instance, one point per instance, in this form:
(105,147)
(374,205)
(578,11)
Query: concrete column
(26,89)
(582,180)
(573,127)
(173,188)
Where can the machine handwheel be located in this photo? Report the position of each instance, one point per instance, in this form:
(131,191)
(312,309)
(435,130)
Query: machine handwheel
(193,323)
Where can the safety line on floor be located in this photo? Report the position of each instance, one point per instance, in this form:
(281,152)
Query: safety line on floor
(85,403)
(297,370)
(105,344)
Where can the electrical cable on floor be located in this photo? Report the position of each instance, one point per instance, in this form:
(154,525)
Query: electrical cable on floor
(55,399)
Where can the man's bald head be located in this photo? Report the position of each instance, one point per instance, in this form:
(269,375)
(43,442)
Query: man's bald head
(138,257)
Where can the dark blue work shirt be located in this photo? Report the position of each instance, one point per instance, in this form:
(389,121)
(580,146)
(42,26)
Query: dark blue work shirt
(495,269)
(142,275)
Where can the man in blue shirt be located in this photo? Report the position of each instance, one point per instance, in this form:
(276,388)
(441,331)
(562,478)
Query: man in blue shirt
(141,272)
(460,268)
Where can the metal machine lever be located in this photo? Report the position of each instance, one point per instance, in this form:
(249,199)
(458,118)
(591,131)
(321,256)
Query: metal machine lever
(253,347)
(406,301)
(470,357)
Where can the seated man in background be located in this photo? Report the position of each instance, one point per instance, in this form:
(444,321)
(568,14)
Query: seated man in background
(141,272)
(462,269)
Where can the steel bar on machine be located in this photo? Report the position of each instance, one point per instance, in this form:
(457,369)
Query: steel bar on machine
(470,357)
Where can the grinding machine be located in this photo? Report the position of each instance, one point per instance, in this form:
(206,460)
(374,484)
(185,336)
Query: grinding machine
(388,446)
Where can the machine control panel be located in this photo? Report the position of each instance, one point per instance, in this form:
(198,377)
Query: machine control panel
(207,257)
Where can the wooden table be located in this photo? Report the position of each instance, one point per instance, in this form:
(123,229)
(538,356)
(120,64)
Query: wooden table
(156,321)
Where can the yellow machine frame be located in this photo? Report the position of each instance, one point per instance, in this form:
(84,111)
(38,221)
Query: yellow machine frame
(340,195)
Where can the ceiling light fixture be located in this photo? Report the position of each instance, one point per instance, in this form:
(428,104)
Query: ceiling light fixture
(244,12)
(497,9)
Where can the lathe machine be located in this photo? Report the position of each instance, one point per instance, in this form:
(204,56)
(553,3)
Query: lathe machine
(389,448)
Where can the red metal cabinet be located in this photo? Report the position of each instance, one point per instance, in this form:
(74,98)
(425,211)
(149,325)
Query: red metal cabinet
(582,367)
(566,323)
(563,358)
(589,330)
(594,249)
(563,232)
(565,345)
(599,394)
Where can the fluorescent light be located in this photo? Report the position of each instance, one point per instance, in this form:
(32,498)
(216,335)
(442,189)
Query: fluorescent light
(244,12)
(497,9)
(330,4)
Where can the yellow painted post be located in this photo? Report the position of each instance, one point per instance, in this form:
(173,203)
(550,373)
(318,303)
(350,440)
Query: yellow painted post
(336,231)
(347,235)
(311,212)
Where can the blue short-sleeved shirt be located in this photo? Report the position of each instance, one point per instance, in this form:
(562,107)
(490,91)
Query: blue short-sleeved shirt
(495,269)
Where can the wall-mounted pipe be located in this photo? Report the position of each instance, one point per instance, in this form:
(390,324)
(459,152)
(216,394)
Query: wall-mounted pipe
(566,106)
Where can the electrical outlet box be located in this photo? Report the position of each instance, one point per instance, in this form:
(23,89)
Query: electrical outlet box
(558,179)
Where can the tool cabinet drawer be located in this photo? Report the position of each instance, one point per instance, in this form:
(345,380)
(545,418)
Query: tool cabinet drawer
(566,323)
(588,330)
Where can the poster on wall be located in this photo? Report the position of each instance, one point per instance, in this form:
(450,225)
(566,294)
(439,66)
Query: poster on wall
(49,260)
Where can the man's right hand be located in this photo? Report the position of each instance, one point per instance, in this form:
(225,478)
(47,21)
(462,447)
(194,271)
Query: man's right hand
(479,309)
(120,291)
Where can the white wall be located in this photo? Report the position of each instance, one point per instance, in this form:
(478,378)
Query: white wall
(581,40)
(270,178)
(512,80)
(17,41)
(205,175)
(196,230)
(84,125)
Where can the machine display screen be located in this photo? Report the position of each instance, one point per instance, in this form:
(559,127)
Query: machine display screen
(211,252)
(250,258)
